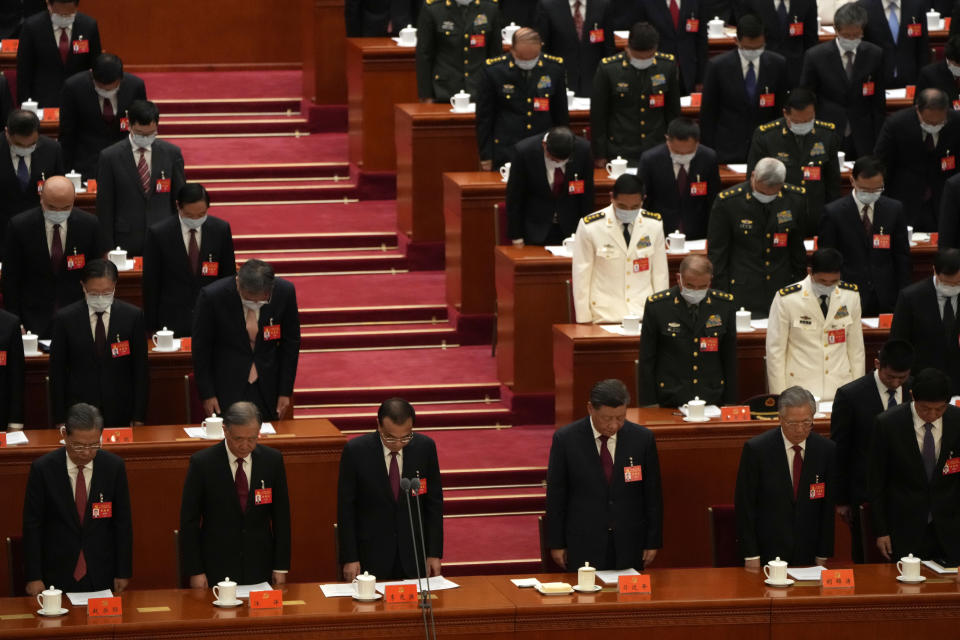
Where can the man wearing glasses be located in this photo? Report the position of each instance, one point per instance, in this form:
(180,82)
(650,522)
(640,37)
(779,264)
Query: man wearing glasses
(372,520)
(235,511)
(99,352)
(786,489)
(77,532)
(914,475)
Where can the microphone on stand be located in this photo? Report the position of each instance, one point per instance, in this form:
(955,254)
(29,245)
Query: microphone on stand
(414,491)
(405,484)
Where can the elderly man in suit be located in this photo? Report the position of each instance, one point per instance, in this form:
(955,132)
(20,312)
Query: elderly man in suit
(372,519)
(246,341)
(77,530)
(580,33)
(45,251)
(604,500)
(182,255)
(855,409)
(138,179)
(944,74)
(914,474)
(54,45)
(235,510)
(93,112)
(900,29)
(786,487)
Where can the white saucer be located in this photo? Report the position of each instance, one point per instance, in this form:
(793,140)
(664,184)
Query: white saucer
(552,593)
(376,596)
(689,419)
(750,330)
(128,266)
(678,253)
(911,580)
(41,612)
(469,110)
(206,437)
(217,603)
(771,583)
(35,354)
(592,589)
(176,347)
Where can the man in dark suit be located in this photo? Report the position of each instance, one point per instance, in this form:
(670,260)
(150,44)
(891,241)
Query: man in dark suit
(944,74)
(93,112)
(182,255)
(682,25)
(905,53)
(870,231)
(26,159)
(913,479)
(77,530)
(372,519)
(550,187)
(235,510)
(12,369)
(6,100)
(246,341)
(379,18)
(137,181)
(785,489)
(682,179)
(948,226)
(919,146)
(604,501)
(926,317)
(54,45)
(98,353)
(856,406)
(580,34)
(847,77)
(45,251)
(790,32)
(742,89)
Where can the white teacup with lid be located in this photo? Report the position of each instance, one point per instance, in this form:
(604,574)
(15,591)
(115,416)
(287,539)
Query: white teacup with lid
(50,600)
(225,592)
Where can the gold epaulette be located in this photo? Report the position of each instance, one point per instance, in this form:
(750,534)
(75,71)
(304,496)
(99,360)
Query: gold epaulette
(496,60)
(795,188)
(793,288)
(825,124)
(770,125)
(732,191)
(613,58)
(651,214)
(556,59)
(849,286)
(661,295)
(593,217)
(665,56)
(716,293)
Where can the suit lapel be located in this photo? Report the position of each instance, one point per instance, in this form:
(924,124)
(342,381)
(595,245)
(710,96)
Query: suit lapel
(589,445)
(908,443)
(133,157)
(62,490)
(379,461)
(40,236)
(779,453)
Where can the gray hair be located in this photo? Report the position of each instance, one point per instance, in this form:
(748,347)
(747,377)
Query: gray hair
(83,417)
(849,15)
(796,397)
(241,414)
(255,277)
(770,172)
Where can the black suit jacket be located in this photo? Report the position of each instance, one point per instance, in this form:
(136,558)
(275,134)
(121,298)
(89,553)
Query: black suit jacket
(728,117)
(841,101)
(770,522)
(125,211)
(118,386)
(681,211)
(948,225)
(170,288)
(879,274)
(917,320)
(221,347)
(11,373)
(903,58)
(6,100)
(530,202)
(911,169)
(53,535)
(689,47)
(40,70)
(370,18)
(581,506)
(778,37)
(374,528)
(220,539)
(45,161)
(936,75)
(31,289)
(83,131)
(554,23)
(901,497)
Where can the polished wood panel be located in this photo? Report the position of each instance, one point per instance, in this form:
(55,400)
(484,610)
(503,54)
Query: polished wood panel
(156,467)
(324,44)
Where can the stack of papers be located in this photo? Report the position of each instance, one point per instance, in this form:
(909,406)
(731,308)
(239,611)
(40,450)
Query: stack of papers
(525,582)
(243,590)
(581,104)
(197,432)
(612,577)
(437,583)
(738,168)
(80,599)
(338,590)
(560,251)
(618,330)
(938,568)
(759,323)
(805,574)
(696,245)
(16,437)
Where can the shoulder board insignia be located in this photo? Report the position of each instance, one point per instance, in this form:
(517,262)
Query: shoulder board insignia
(721,294)
(432,1)
(769,125)
(593,217)
(651,214)
(665,56)
(791,289)
(795,188)
(496,60)
(662,295)
(825,124)
(732,191)
(613,58)
(849,286)
(557,59)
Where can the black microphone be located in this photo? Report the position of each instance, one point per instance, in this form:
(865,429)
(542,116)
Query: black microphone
(405,485)
(415,491)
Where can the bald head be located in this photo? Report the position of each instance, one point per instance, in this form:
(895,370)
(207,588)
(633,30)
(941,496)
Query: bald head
(526,44)
(58,194)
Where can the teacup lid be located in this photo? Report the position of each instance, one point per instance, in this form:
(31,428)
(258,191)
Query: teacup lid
(777,561)
(366,577)
(227,582)
(51,591)
(586,565)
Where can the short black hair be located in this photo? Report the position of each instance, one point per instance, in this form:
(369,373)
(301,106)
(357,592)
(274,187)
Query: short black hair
(99,268)
(143,112)
(82,417)
(241,414)
(826,260)
(868,166)
(951,50)
(22,123)
(560,142)
(749,26)
(947,261)
(255,276)
(643,37)
(397,409)
(683,129)
(850,15)
(628,184)
(896,355)
(192,192)
(799,99)
(609,393)
(107,68)
(933,98)
(931,385)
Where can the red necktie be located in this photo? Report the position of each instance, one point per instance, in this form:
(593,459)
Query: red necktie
(557,182)
(144,172)
(867,225)
(394,475)
(80,495)
(64,46)
(194,252)
(675,13)
(683,182)
(578,19)
(107,110)
(240,482)
(56,250)
(797,469)
(605,460)
(100,336)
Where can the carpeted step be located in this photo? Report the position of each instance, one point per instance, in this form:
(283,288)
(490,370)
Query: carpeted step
(504,491)
(183,85)
(375,337)
(315,241)
(234,106)
(279,195)
(319,147)
(371,315)
(238,172)
(475,416)
(490,544)
(495,503)
(491,476)
(371,291)
(218,125)
(316,263)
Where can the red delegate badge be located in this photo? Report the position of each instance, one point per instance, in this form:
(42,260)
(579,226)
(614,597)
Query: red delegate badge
(271,332)
(40,187)
(837,336)
(633,473)
(811,173)
(209,269)
(817,490)
(575,187)
(709,344)
(81,46)
(263,496)
(693,25)
(881,241)
(779,239)
(3,358)
(478,40)
(656,100)
(698,188)
(541,104)
(796,29)
(102,509)
(641,264)
(767,99)
(124,125)
(914,30)
(596,36)
(76,261)
(952,466)
(867,89)
(948,163)
(163,185)
(120,348)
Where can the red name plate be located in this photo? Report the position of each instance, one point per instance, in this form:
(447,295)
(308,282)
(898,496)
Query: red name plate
(837,578)
(185,344)
(103,607)
(886,320)
(400,593)
(3,439)
(9,46)
(266,599)
(737,413)
(117,435)
(634,584)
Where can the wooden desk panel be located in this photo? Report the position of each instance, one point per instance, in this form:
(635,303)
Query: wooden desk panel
(156,467)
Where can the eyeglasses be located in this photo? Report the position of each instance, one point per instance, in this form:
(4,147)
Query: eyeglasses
(78,447)
(802,424)
(391,440)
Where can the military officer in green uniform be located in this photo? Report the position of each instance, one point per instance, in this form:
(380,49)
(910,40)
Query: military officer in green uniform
(688,344)
(454,38)
(521,94)
(808,148)
(754,239)
(636,93)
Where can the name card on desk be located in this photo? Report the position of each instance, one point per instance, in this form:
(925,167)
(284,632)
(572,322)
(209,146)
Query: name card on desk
(837,578)
(886,320)
(272,599)
(9,46)
(51,114)
(185,344)
(3,439)
(400,593)
(103,607)
(634,584)
(118,435)
(735,414)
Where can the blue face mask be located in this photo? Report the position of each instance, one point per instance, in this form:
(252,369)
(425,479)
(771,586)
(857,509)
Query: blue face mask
(55,217)
(526,65)
(193,223)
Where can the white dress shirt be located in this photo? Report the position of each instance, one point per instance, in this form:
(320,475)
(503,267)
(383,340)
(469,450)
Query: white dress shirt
(583,8)
(56,36)
(789,449)
(386,459)
(72,469)
(860,207)
(676,168)
(786,3)
(611,442)
(148,156)
(185,230)
(63,235)
(843,54)
(884,396)
(941,301)
(16,161)
(920,431)
(552,166)
(93,323)
(113,103)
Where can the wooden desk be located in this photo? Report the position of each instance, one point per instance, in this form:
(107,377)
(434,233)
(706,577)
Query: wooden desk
(156,467)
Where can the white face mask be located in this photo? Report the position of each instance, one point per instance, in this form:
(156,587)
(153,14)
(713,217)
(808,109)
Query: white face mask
(751,55)
(682,158)
(62,22)
(103,93)
(932,129)
(55,217)
(23,151)
(253,305)
(526,65)
(800,128)
(868,197)
(849,45)
(142,142)
(692,296)
(821,289)
(99,302)
(954,69)
(641,63)
(193,223)
(763,198)
(625,216)
(947,290)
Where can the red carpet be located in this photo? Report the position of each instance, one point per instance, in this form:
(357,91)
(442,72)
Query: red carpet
(490,538)
(378,290)
(222,84)
(320,147)
(527,446)
(369,215)
(384,367)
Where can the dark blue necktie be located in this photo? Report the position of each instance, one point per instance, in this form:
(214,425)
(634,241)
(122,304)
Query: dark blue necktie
(750,82)
(892,402)
(23,175)
(782,14)
(929,450)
